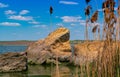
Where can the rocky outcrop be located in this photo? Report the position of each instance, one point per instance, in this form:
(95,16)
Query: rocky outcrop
(55,44)
(13,62)
(87,52)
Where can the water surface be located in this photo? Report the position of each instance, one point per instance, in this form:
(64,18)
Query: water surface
(12,48)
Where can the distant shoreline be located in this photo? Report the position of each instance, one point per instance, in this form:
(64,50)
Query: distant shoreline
(16,42)
(30,42)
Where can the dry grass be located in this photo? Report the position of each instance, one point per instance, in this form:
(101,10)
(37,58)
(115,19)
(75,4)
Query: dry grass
(107,63)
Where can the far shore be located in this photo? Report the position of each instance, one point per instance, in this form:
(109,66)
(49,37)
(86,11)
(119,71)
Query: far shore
(28,42)
(16,42)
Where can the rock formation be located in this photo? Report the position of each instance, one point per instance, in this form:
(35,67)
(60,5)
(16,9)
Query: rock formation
(87,52)
(13,62)
(56,44)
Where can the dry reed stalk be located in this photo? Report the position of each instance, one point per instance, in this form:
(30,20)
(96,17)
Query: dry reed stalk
(51,12)
(87,13)
(88,69)
(57,73)
(81,71)
(86,29)
(76,72)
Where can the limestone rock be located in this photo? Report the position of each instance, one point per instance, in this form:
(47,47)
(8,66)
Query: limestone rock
(87,52)
(13,62)
(55,44)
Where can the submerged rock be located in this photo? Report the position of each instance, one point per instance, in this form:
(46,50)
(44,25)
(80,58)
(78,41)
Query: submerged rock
(13,62)
(56,44)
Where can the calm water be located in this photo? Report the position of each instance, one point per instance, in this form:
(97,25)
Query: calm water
(39,70)
(12,48)
(45,71)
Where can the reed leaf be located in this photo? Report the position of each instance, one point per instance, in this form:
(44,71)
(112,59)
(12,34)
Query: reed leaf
(94,17)
(94,28)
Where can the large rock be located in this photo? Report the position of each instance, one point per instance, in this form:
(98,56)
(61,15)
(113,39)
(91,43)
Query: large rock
(56,44)
(13,62)
(87,52)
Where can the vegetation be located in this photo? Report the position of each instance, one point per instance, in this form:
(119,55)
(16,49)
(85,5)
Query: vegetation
(107,63)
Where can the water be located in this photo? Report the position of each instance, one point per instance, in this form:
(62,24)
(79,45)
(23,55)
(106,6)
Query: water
(39,70)
(12,48)
(45,71)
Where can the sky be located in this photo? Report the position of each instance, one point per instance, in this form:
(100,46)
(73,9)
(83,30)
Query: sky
(30,19)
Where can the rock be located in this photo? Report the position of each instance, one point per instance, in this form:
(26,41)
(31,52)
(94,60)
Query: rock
(13,62)
(55,44)
(49,61)
(87,52)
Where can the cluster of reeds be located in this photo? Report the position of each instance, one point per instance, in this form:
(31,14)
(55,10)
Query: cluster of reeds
(107,63)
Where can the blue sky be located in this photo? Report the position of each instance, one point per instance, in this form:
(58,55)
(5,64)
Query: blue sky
(30,19)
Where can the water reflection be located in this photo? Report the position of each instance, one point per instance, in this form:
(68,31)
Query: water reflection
(21,74)
(46,71)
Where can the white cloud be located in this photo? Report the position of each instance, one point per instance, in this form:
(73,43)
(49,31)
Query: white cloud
(34,22)
(43,26)
(71,18)
(82,23)
(3,5)
(59,24)
(98,24)
(40,26)
(68,2)
(19,17)
(56,16)
(37,26)
(101,10)
(72,24)
(24,12)
(10,12)
(10,24)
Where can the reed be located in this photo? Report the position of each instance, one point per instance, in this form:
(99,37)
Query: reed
(87,13)
(108,62)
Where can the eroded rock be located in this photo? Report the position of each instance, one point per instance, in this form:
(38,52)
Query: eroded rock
(13,62)
(87,52)
(56,44)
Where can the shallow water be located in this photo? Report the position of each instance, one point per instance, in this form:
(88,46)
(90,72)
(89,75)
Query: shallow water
(45,71)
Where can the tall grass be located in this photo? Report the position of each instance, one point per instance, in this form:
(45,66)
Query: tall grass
(107,63)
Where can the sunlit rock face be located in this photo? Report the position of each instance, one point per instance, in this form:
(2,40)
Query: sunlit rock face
(87,52)
(55,44)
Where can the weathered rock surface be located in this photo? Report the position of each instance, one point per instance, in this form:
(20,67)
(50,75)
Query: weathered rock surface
(55,44)
(13,62)
(87,52)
